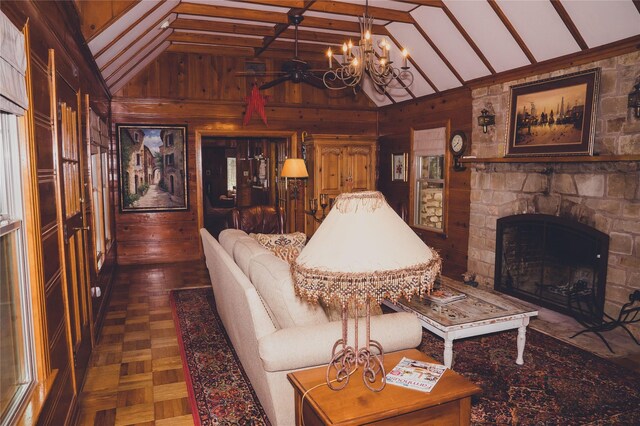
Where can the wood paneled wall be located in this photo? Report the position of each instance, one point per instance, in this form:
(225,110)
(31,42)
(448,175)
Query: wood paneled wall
(395,124)
(54,32)
(204,92)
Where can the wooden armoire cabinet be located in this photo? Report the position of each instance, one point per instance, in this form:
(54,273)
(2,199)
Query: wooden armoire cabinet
(337,164)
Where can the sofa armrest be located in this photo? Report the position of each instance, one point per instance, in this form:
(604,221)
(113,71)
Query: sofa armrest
(310,346)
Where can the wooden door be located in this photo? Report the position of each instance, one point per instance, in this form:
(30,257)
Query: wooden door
(71,180)
(359,167)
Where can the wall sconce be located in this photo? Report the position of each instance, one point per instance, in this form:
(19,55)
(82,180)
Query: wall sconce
(313,207)
(294,168)
(485,120)
(634,99)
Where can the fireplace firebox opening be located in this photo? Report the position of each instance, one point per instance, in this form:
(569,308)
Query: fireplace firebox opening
(552,261)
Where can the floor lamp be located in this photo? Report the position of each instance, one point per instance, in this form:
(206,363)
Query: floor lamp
(294,168)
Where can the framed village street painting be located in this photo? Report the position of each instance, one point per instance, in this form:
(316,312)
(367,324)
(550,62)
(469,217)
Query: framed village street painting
(152,163)
(555,116)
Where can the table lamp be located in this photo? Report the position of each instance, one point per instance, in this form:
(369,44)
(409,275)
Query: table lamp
(362,252)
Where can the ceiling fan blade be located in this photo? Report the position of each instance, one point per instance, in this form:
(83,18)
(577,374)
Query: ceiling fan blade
(274,82)
(314,81)
(258,74)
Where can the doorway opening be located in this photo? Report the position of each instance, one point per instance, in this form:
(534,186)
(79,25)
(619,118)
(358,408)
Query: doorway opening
(240,172)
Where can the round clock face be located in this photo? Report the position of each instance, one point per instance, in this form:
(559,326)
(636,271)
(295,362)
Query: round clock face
(457,143)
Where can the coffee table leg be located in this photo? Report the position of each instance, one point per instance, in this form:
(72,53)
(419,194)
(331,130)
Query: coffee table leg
(522,331)
(448,352)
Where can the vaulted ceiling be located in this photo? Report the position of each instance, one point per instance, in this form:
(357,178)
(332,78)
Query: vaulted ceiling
(451,42)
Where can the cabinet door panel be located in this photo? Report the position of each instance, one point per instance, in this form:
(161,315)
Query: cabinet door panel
(360,167)
(329,173)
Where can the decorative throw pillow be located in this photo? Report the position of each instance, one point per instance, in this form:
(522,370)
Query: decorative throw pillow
(286,246)
(334,309)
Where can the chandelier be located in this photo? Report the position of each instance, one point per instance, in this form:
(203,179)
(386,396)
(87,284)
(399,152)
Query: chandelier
(367,59)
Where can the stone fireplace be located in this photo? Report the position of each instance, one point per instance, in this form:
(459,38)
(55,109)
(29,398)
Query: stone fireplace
(604,195)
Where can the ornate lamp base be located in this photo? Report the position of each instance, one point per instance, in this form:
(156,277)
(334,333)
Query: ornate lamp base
(346,359)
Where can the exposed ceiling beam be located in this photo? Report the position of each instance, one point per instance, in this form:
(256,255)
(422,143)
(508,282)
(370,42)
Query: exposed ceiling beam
(338,25)
(133,43)
(210,49)
(512,30)
(215,39)
(138,66)
(349,9)
(564,15)
(152,42)
(110,21)
(255,30)
(302,47)
(617,48)
(231,13)
(415,65)
(280,28)
(468,38)
(325,38)
(438,52)
(222,27)
(292,4)
(431,3)
(123,33)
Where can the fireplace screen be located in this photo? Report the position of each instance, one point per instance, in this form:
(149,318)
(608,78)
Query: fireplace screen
(551,261)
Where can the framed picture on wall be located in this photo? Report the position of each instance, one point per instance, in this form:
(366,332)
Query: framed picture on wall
(555,116)
(152,167)
(399,167)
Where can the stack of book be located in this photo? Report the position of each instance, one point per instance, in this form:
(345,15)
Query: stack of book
(444,296)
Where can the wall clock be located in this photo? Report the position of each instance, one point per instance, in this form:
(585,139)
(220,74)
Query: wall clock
(458,146)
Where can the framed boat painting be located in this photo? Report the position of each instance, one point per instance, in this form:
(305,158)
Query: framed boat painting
(152,167)
(555,116)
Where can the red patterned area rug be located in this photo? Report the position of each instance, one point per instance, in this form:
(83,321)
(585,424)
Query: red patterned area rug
(219,391)
(558,384)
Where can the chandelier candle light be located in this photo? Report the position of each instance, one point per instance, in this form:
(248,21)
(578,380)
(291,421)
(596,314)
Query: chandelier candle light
(367,59)
(362,252)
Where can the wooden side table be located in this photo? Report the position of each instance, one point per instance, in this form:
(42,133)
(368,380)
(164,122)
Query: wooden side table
(449,403)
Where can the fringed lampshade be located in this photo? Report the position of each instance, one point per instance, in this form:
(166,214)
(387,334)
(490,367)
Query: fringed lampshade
(363,251)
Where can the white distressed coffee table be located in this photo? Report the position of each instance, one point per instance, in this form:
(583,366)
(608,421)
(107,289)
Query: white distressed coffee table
(481,312)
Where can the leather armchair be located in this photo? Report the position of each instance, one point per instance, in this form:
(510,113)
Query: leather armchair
(258,219)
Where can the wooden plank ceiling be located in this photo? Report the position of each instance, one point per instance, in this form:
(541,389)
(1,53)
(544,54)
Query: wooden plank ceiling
(451,42)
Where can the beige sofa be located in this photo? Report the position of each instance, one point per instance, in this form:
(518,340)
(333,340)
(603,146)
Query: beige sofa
(272,330)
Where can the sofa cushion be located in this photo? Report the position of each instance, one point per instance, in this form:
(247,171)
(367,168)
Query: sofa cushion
(245,249)
(271,276)
(286,246)
(228,239)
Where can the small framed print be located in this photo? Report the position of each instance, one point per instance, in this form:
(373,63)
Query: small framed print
(399,167)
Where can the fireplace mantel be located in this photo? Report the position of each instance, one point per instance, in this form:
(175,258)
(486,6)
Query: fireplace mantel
(559,159)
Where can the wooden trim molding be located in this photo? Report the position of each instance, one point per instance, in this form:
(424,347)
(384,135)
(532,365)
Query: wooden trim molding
(560,159)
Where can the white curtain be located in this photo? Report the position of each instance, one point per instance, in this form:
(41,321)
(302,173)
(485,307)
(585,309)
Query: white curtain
(13,66)
(429,142)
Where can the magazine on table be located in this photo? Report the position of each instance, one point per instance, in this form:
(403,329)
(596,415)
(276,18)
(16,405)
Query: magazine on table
(418,375)
(444,296)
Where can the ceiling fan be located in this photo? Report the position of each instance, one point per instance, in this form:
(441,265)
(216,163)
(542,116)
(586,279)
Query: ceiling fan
(296,70)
